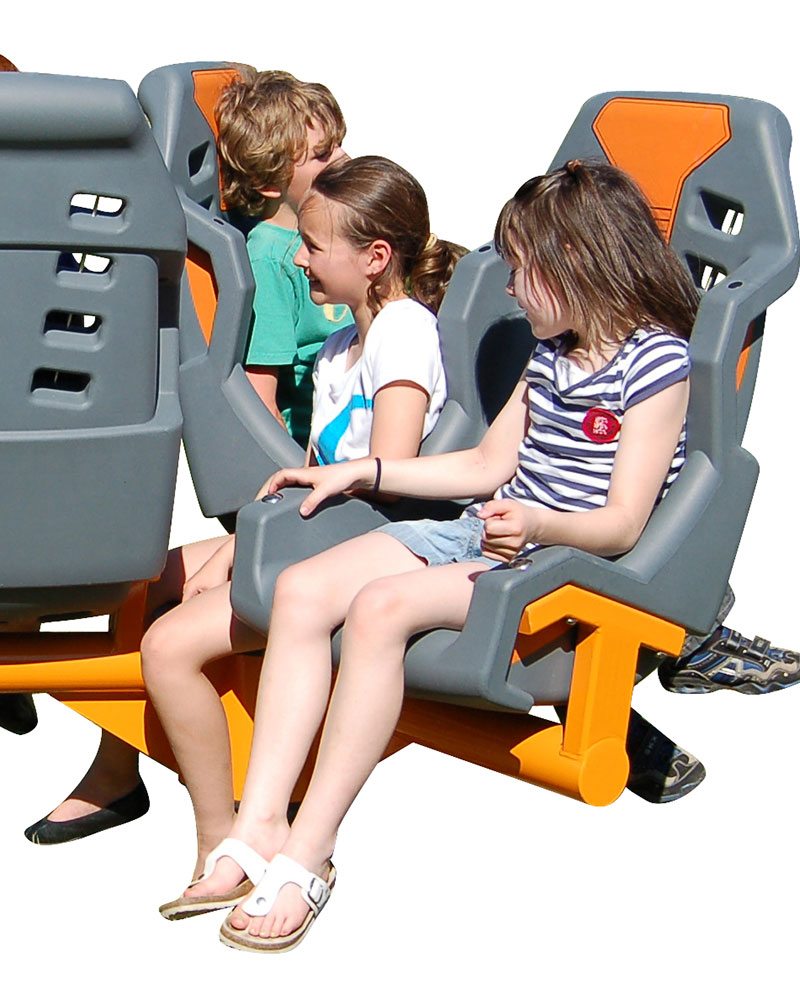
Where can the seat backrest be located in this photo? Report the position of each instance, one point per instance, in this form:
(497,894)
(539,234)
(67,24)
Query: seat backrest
(232,442)
(91,252)
(716,172)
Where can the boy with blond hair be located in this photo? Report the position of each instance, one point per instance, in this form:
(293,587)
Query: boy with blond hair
(276,133)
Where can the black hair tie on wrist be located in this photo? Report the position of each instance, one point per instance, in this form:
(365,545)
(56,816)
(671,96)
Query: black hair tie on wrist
(377,485)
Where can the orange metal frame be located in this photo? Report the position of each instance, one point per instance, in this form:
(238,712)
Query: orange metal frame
(100,677)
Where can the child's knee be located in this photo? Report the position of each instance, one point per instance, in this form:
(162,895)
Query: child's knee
(161,649)
(300,591)
(378,609)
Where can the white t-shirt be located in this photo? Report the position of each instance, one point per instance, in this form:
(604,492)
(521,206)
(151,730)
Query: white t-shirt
(402,344)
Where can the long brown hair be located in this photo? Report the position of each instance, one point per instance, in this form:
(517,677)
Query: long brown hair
(587,231)
(382,201)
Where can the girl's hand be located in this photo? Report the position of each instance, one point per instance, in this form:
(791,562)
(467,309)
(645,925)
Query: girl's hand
(213,573)
(507,527)
(325,480)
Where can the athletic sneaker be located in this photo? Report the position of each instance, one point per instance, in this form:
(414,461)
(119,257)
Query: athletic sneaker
(729,660)
(661,771)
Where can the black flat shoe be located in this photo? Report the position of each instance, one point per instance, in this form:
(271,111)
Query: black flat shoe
(18,713)
(129,807)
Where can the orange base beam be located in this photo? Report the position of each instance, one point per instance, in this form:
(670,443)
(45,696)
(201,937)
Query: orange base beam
(585,758)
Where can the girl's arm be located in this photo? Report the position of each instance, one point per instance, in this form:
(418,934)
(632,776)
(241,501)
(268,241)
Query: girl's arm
(398,419)
(647,443)
(398,423)
(475,472)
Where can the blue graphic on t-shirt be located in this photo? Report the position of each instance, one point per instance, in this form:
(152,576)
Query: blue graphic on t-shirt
(333,432)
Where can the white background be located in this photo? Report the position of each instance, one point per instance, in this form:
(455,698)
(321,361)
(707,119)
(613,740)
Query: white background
(456,881)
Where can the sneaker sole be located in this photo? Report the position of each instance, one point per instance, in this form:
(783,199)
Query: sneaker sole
(662,797)
(702,685)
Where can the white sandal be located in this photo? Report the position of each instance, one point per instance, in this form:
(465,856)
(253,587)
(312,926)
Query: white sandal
(281,871)
(251,863)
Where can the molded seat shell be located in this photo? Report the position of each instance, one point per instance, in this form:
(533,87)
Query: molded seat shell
(92,242)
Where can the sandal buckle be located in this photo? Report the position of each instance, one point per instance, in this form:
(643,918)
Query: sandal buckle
(316,890)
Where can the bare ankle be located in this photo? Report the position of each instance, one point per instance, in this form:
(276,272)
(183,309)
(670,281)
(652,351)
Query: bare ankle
(265,835)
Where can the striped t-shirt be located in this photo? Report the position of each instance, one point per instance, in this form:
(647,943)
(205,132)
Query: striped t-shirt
(566,458)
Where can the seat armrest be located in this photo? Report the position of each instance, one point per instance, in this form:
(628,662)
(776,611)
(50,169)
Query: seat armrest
(271,534)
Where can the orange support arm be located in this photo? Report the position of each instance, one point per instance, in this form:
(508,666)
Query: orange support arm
(586,758)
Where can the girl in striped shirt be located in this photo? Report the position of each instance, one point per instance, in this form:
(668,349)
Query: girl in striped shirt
(585,447)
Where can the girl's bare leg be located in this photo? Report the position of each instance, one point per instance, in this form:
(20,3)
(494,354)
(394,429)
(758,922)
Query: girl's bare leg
(175,650)
(382,617)
(311,600)
(114,772)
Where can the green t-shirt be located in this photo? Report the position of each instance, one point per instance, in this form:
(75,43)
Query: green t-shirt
(288,328)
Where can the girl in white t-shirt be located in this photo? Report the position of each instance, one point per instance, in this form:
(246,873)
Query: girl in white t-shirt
(379,388)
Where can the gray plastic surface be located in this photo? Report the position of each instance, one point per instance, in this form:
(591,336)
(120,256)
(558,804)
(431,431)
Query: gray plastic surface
(89,415)
(233,444)
(700,522)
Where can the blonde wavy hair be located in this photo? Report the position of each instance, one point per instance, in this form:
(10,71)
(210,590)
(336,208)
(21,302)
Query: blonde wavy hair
(263,120)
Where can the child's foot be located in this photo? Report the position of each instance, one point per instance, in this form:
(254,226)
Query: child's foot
(661,771)
(233,870)
(728,660)
(239,856)
(77,817)
(278,914)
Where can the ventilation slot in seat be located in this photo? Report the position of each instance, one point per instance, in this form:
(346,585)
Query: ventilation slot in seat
(725,215)
(66,382)
(82,324)
(98,205)
(197,158)
(80,262)
(704,272)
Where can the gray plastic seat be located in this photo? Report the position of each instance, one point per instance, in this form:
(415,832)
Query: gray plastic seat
(232,442)
(92,242)
(723,196)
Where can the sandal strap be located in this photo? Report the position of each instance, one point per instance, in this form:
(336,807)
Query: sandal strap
(281,871)
(249,860)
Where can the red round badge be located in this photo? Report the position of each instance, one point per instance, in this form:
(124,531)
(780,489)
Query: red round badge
(600,425)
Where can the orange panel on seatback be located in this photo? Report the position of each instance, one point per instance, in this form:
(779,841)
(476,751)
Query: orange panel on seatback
(203,287)
(208,85)
(660,143)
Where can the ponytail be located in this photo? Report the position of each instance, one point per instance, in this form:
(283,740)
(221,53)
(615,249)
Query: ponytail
(432,271)
(382,201)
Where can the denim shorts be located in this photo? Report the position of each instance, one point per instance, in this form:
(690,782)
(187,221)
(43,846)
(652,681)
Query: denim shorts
(442,542)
